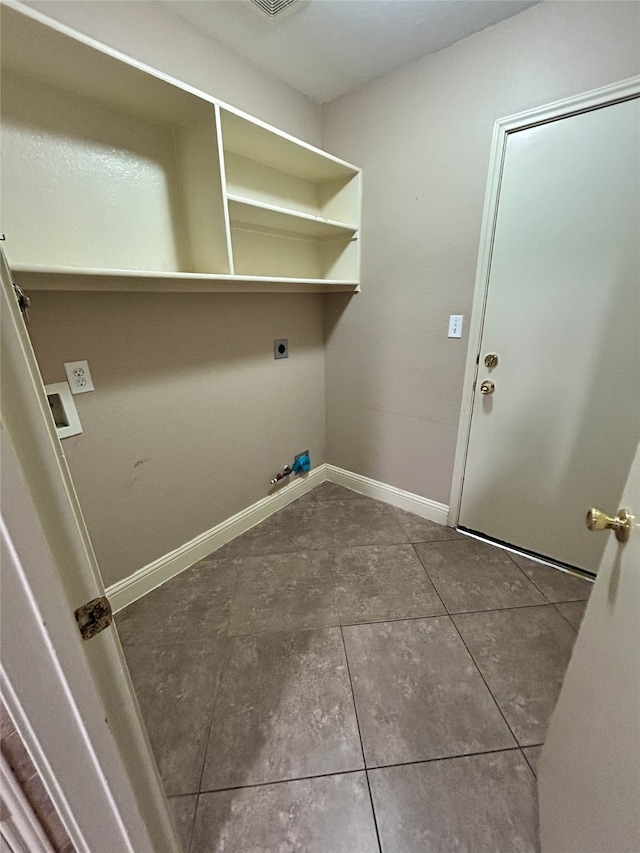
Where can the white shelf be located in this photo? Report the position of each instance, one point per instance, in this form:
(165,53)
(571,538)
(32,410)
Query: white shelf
(293,210)
(145,281)
(254,140)
(83,67)
(118,175)
(243,211)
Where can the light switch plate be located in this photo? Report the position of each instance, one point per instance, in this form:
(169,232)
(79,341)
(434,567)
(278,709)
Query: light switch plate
(455,325)
(79,376)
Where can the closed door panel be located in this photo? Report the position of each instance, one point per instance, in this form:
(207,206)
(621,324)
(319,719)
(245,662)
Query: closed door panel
(561,426)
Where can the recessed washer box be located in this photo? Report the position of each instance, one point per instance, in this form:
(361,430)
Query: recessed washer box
(63,409)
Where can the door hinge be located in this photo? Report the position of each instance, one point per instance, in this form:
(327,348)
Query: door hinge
(24,303)
(94,617)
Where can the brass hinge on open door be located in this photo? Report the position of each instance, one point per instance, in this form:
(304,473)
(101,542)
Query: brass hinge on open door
(94,617)
(24,303)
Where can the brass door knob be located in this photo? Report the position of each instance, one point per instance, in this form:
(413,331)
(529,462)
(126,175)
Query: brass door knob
(620,524)
(487,387)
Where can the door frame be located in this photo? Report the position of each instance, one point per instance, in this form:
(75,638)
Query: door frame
(615,93)
(71,700)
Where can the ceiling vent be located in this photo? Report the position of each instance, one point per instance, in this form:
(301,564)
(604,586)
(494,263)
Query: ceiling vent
(271,8)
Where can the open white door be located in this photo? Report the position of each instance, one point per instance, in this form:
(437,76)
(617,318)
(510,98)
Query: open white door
(71,699)
(589,774)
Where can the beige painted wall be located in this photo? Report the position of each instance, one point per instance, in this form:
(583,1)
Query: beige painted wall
(422,135)
(192,415)
(151,33)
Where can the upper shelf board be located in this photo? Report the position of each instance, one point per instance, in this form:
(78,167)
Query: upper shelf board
(257,142)
(143,281)
(247,212)
(85,68)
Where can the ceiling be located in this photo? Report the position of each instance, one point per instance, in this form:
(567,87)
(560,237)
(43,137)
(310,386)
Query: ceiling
(324,48)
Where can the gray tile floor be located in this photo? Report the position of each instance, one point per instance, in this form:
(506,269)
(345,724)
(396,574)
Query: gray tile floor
(349,678)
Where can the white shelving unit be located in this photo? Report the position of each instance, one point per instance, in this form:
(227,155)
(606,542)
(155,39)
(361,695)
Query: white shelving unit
(116,177)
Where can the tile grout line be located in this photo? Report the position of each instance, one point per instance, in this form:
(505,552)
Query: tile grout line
(469,651)
(270,782)
(552,603)
(546,603)
(447,757)
(424,569)
(516,748)
(433,541)
(530,765)
(394,619)
(381,621)
(527,577)
(213,708)
(501,609)
(562,614)
(364,760)
(475,663)
(204,758)
(447,613)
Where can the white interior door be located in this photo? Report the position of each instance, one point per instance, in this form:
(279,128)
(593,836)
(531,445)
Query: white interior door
(589,774)
(71,699)
(560,429)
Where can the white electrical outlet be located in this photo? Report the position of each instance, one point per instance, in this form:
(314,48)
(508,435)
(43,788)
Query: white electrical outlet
(79,376)
(455,325)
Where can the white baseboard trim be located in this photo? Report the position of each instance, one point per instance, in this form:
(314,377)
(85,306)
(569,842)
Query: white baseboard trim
(416,504)
(153,575)
(20,827)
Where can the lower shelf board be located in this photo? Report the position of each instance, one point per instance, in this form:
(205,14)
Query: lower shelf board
(143,281)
